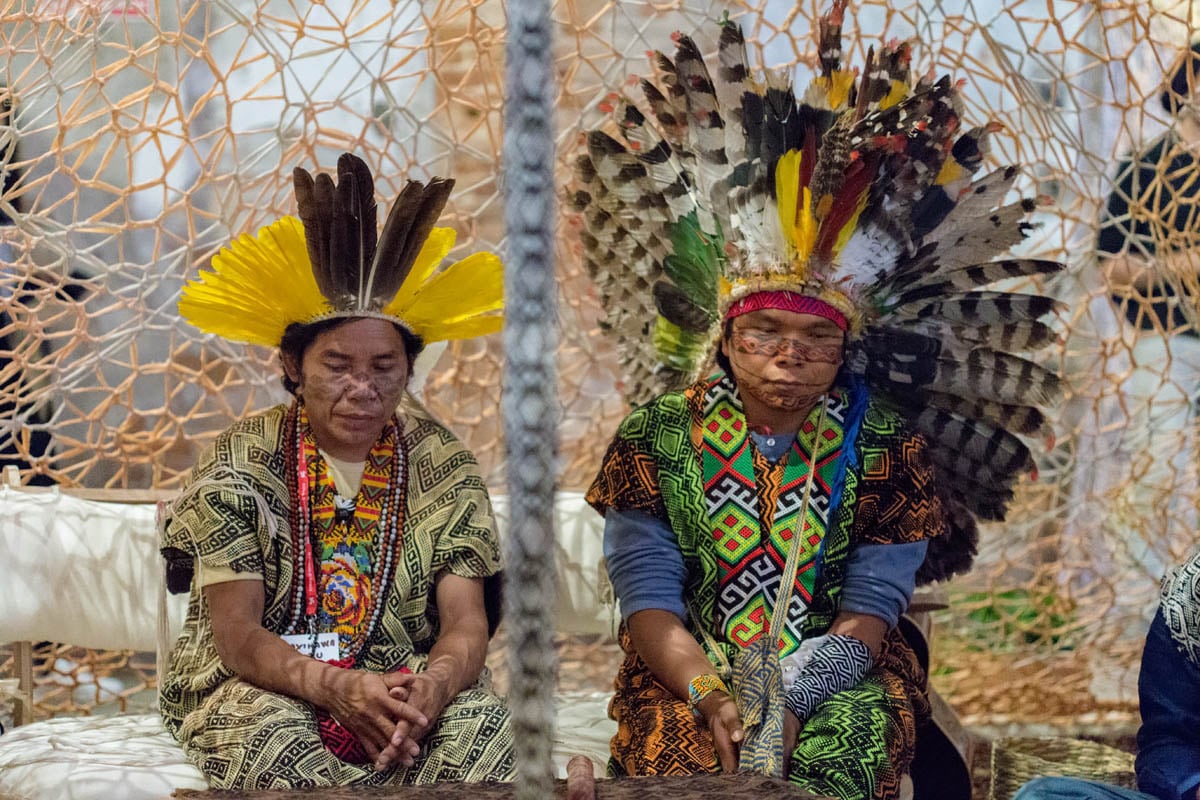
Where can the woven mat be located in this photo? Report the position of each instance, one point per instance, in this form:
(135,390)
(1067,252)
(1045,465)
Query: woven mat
(697,787)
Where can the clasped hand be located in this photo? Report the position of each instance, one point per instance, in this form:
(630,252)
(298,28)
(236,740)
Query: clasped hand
(389,713)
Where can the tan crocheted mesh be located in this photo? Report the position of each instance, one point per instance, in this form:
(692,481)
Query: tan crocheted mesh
(144,134)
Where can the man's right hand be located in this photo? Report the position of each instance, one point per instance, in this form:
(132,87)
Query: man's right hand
(362,703)
(725,724)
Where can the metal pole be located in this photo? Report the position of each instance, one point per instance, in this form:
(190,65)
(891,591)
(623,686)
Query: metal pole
(529,398)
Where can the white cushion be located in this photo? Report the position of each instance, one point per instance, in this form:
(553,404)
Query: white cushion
(582,728)
(79,572)
(103,564)
(585,602)
(132,757)
(79,758)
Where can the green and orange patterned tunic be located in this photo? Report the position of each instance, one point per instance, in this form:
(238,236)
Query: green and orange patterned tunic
(686,459)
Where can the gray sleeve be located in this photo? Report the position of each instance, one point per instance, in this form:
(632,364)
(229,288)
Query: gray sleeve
(644,562)
(881,578)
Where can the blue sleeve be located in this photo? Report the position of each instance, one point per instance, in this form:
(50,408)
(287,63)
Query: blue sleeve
(1168,760)
(1057,788)
(644,562)
(880,579)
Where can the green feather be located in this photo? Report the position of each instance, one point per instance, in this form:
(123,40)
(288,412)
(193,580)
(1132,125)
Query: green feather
(678,349)
(694,264)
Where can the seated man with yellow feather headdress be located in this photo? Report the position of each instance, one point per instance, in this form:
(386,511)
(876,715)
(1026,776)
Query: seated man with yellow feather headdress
(338,549)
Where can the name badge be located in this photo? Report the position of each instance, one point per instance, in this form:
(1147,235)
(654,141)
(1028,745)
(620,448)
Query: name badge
(321,646)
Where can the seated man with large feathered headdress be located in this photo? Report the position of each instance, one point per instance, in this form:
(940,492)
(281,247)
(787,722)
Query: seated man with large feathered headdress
(338,549)
(766,520)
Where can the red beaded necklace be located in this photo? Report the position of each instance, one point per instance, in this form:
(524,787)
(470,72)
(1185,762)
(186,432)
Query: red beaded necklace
(379,512)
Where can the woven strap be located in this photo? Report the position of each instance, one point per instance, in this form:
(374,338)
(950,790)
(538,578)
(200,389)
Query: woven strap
(787,583)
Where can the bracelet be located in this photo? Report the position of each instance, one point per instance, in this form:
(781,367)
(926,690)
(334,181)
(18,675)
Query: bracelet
(702,686)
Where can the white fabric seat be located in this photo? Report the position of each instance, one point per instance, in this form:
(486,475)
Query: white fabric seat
(132,757)
(129,756)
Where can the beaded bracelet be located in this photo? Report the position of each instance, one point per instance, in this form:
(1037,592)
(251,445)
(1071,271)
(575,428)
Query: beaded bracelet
(702,686)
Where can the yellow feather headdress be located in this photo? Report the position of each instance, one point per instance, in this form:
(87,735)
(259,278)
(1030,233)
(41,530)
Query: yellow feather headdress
(331,262)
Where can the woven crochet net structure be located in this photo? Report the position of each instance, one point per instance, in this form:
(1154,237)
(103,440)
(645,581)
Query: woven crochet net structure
(138,136)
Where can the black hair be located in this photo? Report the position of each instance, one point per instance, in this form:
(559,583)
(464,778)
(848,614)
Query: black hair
(1183,81)
(720,356)
(299,335)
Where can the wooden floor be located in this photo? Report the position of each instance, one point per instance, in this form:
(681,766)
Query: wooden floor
(695,787)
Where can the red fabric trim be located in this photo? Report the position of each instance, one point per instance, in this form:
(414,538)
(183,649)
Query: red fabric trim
(787,301)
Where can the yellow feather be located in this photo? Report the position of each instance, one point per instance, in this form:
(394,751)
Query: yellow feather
(433,252)
(256,287)
(897,93)
(787,189)
(454,297)
(260,284)
(851,224)
(795,207)
(806,229)
(466,329)
(839,91)
(951,171)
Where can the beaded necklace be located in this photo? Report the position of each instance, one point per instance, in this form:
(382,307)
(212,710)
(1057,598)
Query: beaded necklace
(376,525)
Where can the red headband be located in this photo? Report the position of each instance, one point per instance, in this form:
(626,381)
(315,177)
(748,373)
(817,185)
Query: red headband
(787,301)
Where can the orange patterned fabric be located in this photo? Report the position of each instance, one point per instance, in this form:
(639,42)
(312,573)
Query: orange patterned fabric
(657,733)
(896,497)
(858,743)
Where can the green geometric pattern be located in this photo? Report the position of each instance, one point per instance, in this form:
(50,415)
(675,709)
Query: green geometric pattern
(737,533)
(745,495)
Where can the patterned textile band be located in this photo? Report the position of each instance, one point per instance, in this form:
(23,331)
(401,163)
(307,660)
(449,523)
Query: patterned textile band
(702,686)
(837,663)
(787,301)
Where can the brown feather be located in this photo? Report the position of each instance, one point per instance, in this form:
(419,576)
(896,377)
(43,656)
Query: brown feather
(408,225)
(952,553)
(325,190)
(355,232)
(1001,377)
(311,216)
(1022,419)
(939,282)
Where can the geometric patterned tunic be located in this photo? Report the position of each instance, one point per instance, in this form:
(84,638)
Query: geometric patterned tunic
(857,744)
(235,514)
(754,507)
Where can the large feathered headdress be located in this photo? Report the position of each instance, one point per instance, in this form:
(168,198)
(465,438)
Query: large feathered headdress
(333,262)
(862,193)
